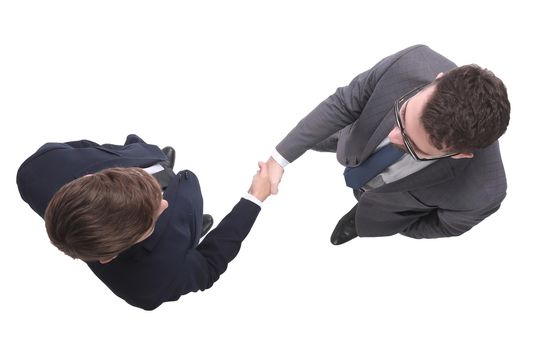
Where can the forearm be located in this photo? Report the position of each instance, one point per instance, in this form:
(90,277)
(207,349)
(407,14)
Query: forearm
(211,257)
(447,223)
(328,117)
(430,226)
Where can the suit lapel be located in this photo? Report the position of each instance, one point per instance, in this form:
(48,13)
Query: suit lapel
(380,133)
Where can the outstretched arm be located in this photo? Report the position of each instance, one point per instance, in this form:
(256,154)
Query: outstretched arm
(210,259)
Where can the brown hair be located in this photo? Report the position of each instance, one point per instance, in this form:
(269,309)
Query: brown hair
(98,216)
(468,110)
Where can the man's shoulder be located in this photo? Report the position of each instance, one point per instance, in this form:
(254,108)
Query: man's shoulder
(417,64)
(418,55)
(26,166)
(47,147)
(418,52)
(483,179)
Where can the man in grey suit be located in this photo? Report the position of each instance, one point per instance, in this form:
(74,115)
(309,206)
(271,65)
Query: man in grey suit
(445,119)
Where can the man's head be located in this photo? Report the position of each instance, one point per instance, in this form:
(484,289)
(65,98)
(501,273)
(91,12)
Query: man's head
(461,111)
(100,215)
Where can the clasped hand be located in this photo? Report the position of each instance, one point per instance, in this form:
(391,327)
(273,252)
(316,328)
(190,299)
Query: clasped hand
(267,179)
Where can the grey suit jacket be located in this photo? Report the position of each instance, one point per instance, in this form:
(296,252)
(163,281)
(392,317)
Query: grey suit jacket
(444,199)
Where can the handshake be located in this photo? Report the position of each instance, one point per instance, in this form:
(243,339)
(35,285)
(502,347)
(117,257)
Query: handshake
(267,179)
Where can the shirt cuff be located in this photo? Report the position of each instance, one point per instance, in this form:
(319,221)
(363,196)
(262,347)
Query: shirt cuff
(253,199)
(279,159)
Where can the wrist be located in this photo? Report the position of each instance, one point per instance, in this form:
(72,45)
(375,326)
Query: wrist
(251,197)
(278,159)
(261,197)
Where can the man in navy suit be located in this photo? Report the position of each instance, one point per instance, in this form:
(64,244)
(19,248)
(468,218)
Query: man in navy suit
(103,204)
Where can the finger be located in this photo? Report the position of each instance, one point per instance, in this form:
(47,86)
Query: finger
(263,167)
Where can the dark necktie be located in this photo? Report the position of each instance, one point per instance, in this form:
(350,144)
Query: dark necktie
(358,176)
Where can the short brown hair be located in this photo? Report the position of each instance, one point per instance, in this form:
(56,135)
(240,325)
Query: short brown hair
(468,110)
(98,216)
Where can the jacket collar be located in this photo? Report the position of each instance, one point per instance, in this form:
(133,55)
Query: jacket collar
(438,172)
(141,249)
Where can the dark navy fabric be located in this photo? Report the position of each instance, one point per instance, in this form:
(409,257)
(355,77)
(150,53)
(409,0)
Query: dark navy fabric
(170,262)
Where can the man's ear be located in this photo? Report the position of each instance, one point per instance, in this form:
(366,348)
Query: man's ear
(163,205)
(463,155)
(105,261)
(439,75)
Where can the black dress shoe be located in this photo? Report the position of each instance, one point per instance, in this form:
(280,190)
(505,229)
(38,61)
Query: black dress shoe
(207,222)
(170,154)
(345,230)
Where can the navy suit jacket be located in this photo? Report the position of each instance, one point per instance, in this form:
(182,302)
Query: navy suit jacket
(170,262)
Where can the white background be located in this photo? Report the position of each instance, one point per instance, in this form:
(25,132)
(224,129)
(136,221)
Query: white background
(223,82)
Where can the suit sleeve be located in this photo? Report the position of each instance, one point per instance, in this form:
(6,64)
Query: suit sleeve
(448,223)
(342,108)
(337,111)
(204,264)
